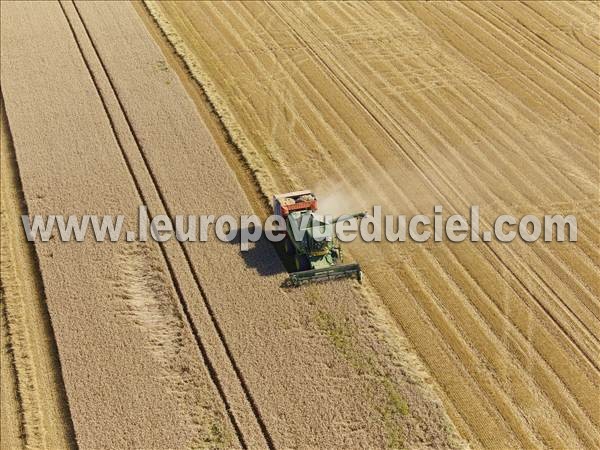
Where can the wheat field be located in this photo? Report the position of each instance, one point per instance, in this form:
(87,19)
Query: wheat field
(197,108)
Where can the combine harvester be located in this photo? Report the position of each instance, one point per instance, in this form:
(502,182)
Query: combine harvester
(317,254)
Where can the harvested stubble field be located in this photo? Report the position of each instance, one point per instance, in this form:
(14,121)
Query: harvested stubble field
(409,105)
(147,345)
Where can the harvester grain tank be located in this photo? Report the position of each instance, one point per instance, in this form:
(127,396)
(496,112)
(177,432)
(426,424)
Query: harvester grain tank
(311,240)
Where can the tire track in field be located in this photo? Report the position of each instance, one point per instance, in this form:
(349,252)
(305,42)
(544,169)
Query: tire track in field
(444,143)
(160,208)
(484,135)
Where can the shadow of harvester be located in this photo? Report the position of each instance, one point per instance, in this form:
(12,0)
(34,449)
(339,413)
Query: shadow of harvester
(266,257)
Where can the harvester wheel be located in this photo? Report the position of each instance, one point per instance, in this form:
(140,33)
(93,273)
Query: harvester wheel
(301,262)
(288,247)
